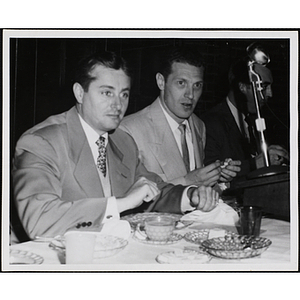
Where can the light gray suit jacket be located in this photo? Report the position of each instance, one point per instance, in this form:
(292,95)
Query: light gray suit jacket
(156,143)
(56,182)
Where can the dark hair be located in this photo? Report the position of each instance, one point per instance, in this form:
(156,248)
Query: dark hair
(181,54)
(106,59)
(238,72)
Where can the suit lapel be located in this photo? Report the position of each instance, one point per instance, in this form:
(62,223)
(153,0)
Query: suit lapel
(85,171)
(165,147)
(119,173)
(235,133)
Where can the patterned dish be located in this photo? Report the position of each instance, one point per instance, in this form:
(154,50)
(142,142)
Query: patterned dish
(236,246)
(139,218)
(198,236)
(19,257)
(183,257)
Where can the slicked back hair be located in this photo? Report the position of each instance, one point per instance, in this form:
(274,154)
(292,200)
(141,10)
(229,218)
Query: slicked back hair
(180,54)
(107,59)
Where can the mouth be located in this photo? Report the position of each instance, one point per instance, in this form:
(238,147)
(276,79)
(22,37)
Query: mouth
(114,116)
(187,105)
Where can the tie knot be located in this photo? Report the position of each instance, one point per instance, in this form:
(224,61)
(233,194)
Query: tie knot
(101,141)
(182,128)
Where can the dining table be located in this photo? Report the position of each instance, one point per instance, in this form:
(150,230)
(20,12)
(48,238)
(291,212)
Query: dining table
(138,256)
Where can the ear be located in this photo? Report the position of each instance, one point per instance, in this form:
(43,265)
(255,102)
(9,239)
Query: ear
(160,80)
(78,92)
(242,87)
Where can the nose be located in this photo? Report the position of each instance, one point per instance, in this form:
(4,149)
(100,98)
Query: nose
(116,103)
(269,92)
(189,93)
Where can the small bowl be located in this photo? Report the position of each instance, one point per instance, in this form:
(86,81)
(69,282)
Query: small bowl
(236,246)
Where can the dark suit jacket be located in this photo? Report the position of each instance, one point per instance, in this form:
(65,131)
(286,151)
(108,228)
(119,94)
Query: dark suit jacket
(56,184)
(224,139)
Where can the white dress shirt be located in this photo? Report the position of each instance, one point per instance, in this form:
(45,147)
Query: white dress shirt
(185,201)
(177,135)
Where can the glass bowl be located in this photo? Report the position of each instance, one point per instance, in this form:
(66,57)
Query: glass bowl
(236,246)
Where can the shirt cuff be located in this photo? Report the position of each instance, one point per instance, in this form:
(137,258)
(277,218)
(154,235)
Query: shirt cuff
(111,212)
(185,201)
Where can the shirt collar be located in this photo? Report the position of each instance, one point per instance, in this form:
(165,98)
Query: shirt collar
(173,124)
(91,135)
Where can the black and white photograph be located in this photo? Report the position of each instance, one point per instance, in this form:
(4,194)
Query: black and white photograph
(150,150)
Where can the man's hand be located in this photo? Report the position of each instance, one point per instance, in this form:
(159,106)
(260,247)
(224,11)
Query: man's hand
(142,190)
(207,176)
(277,155)
(203,198)
(229,169)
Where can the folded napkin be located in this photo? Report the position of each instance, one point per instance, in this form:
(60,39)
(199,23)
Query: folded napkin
(119,228)
(222,214)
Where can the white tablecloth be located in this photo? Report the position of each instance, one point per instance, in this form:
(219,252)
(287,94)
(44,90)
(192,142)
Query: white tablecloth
(138,256)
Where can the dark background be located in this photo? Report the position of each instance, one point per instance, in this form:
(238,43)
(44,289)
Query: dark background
(41,75)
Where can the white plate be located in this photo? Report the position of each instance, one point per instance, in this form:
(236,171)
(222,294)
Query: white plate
(20,257)
(183,257)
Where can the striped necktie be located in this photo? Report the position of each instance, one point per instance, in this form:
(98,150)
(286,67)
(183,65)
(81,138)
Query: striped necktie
(185,152)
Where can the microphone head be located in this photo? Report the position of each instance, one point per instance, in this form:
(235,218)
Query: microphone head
(258,54)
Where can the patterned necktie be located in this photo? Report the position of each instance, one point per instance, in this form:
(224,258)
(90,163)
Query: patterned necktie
(185,152)
(101,160)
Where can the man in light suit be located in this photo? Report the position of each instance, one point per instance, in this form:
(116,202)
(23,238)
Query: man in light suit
(77,169)
(228,134)
(156,131)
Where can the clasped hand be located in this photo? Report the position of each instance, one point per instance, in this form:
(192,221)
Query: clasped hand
(203,198)
(213,173)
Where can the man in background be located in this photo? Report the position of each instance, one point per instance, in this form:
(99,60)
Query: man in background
(230,125)
(170,137)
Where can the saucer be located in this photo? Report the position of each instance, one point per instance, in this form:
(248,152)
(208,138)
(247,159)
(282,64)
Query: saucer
(174,238)
(19,257)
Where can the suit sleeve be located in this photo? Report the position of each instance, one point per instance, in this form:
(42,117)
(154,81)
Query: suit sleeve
(214,136)
(170,197)
(38,192)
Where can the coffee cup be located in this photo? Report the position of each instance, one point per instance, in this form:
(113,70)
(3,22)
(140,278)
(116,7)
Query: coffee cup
(159,228)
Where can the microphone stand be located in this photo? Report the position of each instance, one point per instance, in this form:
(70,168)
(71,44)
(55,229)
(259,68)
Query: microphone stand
(256,83)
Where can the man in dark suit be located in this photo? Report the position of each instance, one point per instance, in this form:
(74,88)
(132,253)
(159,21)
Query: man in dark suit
(77,169)
(230,130)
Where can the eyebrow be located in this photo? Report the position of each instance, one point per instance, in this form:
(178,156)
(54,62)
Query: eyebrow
(113,88)
(185,79)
